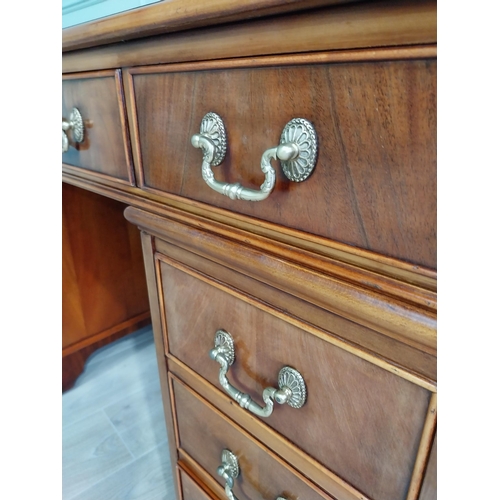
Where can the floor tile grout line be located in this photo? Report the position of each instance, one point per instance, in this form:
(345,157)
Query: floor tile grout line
(118,433)
(155,447)
(80,420)
(131,461)
(92,361)
(128,464)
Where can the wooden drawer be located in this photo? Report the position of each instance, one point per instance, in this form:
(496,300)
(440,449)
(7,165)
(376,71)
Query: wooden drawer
(360,421)
(105,150)
(190,488)
(374,185)
(203,433)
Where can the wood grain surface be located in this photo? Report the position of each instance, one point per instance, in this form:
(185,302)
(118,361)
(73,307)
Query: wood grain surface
(369,24)
(204,433)
(429,485)
(160,345)
(384,414)
(374,185)
(106,145)
(399,320)
(193,489)
(176,15)
(104,284)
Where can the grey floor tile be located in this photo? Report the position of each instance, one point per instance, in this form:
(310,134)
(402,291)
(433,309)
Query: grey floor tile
(114,436)
(91,451)
(148,478)
(139,419)
(134,371)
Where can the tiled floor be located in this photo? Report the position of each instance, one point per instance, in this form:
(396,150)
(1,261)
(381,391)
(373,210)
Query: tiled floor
(114,436)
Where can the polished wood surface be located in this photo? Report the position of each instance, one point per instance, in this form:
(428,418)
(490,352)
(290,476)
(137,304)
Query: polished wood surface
(106,147)
(396,357)
(401,321)
(335,276)
(395,278)
(160,346)
(176,15)
(370,188)
(344,392)
(429,486)
(301,461)
(371,24)
(104,285)
(204,433)
(191,489)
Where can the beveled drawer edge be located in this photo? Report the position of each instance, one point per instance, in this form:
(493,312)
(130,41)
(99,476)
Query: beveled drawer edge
(418,275)
(347,491)
(408,324)
(124,127)
(417,282)
(363,25)
(319,474)
(176,15)
(183,467)
(409,282)
(424,450)
(82,75)
(91,174)
(357,351)
(378,54)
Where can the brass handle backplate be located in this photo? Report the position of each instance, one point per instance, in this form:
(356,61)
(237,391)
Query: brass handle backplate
(75,124)
(297,151)
(292,388)
(230,470)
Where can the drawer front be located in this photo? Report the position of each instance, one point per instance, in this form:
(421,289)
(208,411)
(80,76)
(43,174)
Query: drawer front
(203,434)
(374,184)
(190,489)
(360,421)
(105,149)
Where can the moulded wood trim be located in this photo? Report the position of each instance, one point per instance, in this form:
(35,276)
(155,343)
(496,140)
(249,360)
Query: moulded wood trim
(386,23)
(120,96)
(348,489)
(421,287)
(99,176)
(339,56)
(148,252)
(176,15)
(134,127)
(124,125)
(408,280)
(82,75)
(190,464)
(203,488)
(297,322)
(409,324)
(178,490)
(254,427)
(161,302)
(424,450)
(353,336)
(140,318)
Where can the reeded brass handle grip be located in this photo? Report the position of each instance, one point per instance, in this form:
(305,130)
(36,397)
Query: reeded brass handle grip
(297,151)
(230,470)
(292,388)
(75,124)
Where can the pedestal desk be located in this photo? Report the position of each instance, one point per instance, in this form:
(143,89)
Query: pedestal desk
(276,161)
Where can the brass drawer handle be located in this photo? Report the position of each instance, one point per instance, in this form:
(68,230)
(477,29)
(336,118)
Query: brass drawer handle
(297,151)
(229,470)
(292,388)
(75,124)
